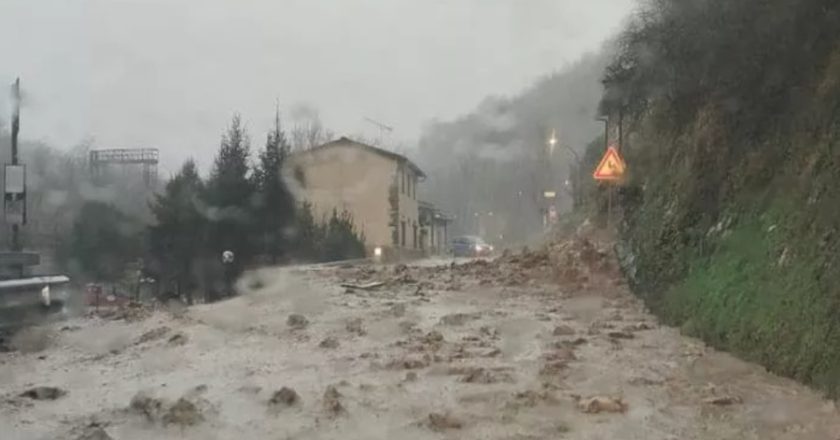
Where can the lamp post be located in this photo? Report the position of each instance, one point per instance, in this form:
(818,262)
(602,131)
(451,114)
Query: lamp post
(552,142)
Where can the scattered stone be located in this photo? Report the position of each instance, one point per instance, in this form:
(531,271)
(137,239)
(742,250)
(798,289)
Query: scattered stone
(433,337)
(616,316)
(563,330)
(284,397)
(492,353)
(599,404)
(644,381)
(43,393)
(297,321)
(354,326)
(329,342)
(724,400)
(639,326)
(400,269)
(456,319)
(196,391)
(146,405)
(485,376)
(563,354)
(553,368)
(177,339)
(491,332)
(153,334)
(183,413)
(93,432)
(442,422)
(331,403)
(531,398)
(250,389)
(621,335)
(409,363)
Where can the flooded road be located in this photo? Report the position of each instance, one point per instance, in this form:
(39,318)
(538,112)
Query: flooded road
(398,352)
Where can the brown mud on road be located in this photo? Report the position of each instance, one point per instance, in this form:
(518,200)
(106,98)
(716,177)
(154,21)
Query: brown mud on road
(539,345)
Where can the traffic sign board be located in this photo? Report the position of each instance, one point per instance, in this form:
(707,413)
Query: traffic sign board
(612,166)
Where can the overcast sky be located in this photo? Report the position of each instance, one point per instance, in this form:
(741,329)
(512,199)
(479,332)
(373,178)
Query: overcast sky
(170,73)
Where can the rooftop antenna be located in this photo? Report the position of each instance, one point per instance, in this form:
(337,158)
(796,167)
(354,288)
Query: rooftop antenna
(383,128)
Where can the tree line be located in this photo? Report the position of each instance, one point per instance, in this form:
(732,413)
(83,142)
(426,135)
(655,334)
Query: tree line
(243,206)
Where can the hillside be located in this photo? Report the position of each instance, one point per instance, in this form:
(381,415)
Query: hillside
(494,159)
(730,212)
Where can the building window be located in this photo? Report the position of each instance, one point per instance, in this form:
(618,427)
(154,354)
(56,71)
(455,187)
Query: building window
(402,234)
(402,181)
(414,237)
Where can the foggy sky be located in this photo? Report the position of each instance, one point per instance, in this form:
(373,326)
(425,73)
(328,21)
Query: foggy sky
(170,73)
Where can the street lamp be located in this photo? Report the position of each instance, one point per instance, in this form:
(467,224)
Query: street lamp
(552,141)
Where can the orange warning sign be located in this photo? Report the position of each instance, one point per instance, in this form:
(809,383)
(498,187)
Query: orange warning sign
(612,166)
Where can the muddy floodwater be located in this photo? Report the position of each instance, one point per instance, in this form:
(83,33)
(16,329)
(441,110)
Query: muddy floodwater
(428,351)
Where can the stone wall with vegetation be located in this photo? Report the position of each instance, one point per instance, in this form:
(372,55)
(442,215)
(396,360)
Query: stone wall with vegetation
(731,211)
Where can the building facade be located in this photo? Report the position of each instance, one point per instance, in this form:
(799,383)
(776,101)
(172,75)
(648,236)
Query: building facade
(377,187)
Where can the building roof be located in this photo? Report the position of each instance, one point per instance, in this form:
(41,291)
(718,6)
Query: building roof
(344,141)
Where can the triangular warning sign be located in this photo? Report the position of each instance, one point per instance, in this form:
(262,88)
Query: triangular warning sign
(612,166)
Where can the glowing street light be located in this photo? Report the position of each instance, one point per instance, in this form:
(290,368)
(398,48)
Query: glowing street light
(552,141)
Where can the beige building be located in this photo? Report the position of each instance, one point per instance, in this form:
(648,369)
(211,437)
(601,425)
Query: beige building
(377,187)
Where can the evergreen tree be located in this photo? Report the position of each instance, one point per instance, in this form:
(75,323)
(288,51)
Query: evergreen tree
(230,195)
(341,241)
(176,240)
(274,204)
(308,236)
(102,242)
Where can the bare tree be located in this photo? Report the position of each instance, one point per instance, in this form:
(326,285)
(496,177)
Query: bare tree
(307,129)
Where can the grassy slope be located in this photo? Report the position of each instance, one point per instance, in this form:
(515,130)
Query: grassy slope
(755,267)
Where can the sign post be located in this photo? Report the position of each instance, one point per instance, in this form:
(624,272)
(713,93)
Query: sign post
(611,169)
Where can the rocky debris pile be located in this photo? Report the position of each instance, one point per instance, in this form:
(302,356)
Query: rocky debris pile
(297,321)
(576,262)
(90,431)
(130,312)
(330,342)
(152,335)
(332,402)
(188,410)
(458,319)
(532,398)
(284,397)
(177,340)
(599,404)
(43,393)
(484,376)
(443,421)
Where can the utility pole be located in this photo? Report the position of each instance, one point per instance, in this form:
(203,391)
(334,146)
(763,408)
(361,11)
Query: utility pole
(620,128)
(606,121)
(15,130)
